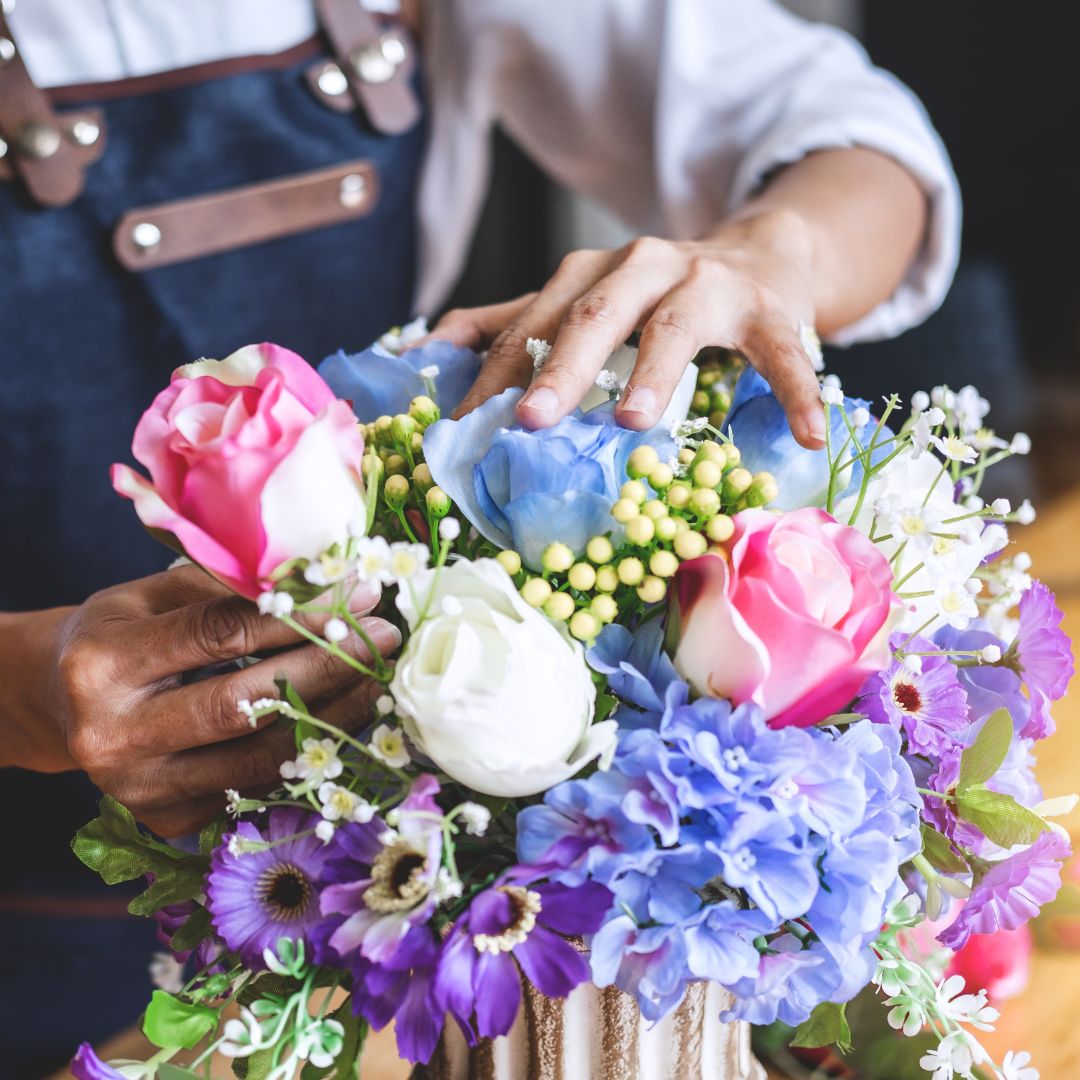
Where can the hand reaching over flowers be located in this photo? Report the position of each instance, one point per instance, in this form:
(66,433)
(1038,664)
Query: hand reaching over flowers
(826,239)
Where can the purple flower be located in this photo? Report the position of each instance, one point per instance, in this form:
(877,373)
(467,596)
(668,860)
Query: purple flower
(169,919)
(510,926)
(792,980)
(930,706)
(648,962)
(403,990)
(384,889)
(86,1065)
(1011,892)
(259,897)
(1044,652)
(581,831)
(989,687)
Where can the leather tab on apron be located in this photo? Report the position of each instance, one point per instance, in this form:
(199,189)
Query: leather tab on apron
(375,60)
(172,232)
(49,153)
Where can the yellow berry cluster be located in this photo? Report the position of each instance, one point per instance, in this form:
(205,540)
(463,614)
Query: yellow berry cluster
(665,520)
(393,459)
(718,371)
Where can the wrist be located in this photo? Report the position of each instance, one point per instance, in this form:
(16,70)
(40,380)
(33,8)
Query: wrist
(30,733)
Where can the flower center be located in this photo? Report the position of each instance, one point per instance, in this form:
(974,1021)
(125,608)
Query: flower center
(397,879)
(525,905)
(907,696)
(285,892)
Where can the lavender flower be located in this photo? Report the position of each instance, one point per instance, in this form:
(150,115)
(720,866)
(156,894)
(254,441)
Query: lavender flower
(512,925)
(259,897)
(1044,653)
(86,1065)
(1011,892)
(384,889)
(648,962)
(929,706)
(988,687)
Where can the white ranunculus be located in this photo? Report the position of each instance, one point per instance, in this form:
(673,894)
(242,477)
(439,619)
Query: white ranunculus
(497,695)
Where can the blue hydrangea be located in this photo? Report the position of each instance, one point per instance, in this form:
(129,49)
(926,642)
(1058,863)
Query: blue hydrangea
(526,489)
(379,382)
(759,428)
(749,829)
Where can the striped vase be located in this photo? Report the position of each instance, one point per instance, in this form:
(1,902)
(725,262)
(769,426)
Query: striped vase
(599,1034)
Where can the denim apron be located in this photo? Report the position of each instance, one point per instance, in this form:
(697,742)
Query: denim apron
(86,346)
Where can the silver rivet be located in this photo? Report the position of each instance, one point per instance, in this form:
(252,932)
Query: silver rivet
(372,64)
(7,50)
(37,141)
(393,48)
(85,132)
(332,81)
(146,236)
(352,190)
(3,148)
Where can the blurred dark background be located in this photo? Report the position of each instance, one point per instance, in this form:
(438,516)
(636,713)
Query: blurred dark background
(999,80)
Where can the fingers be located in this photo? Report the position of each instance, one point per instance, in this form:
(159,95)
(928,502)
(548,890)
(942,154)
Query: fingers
(593,327)
(177,795)
(208,711)
(507,363)
(670,339)
(475,328)
(773,346)
(209,632)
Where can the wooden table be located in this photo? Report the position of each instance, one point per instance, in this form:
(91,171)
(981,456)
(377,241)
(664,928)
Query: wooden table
(1045,1019)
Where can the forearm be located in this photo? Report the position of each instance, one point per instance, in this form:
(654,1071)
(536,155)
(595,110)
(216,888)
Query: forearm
(860,219)
(29,734)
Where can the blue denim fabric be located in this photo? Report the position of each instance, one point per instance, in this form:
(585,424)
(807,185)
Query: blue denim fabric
(85,347)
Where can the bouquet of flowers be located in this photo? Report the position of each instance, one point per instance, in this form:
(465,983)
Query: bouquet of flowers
(685,704)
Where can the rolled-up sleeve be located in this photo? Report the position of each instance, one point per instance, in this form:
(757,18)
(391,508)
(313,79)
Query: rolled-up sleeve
(674,112)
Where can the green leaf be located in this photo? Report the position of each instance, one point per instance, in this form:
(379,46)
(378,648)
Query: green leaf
(344,1066)
(210,836)
(1001,819)
(303,730)
(171,1022)
(255,1067)
(167,1071)
(118,850)
(193,933)
(826,1026)
(984,757)
(940,854)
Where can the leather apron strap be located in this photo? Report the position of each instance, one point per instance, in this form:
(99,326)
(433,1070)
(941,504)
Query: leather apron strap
(49,154)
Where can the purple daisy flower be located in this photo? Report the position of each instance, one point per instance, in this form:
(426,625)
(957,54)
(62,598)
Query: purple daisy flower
(929,706)
(1011,892)
(511,925)
(1044,652)
(86,1065)
(259,897)
(383,889)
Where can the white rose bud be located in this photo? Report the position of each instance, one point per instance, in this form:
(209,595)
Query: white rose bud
(494,692)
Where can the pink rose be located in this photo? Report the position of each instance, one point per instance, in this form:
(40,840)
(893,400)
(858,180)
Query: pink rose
(253,461)
(795,623)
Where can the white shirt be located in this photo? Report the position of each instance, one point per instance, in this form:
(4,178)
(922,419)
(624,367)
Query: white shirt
(669,112)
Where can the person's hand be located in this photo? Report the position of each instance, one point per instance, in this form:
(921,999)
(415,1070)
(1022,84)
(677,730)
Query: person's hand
(747,287)
(116,705)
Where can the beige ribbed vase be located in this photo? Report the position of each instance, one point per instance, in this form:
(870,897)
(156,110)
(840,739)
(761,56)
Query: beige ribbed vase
(599,1034)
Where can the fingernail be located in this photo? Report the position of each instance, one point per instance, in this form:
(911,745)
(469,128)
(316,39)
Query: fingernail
(386,637)
(815,427)
(542,400)
(364,597)
(642,400)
